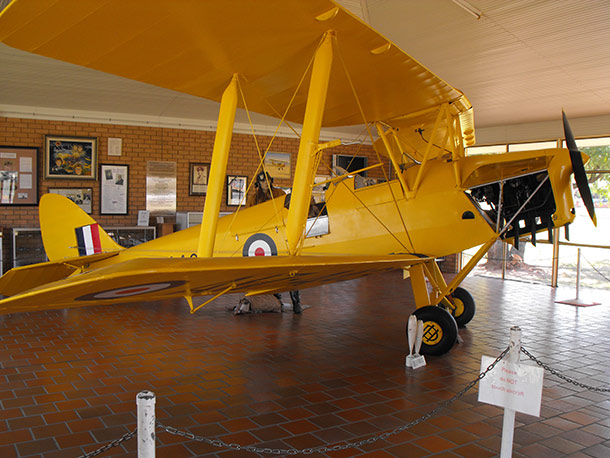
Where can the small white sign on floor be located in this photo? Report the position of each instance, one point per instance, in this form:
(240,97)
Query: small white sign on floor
(516,387)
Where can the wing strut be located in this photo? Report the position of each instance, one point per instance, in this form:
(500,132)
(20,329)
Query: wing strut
(308,147)
(218,170)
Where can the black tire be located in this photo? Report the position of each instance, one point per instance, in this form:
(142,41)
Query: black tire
(464,307)
(440,330)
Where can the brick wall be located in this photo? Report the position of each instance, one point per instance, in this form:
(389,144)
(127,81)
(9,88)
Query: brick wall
(142,144)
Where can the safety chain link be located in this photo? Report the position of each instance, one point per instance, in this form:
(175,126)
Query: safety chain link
(323,449)
(108,446)
(563,377)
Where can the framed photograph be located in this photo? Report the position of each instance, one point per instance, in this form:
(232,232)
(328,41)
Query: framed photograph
(278,164)
(236,189)
(113,189)
(70,158)
(18,175)
(198,183)
(83,197)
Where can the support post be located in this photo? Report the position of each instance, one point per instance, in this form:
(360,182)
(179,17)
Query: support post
(578,274)
(555,265)
(145,400)
(316,100)
(508,425)
(424,162)
(218,170)
(393,158)
(504,256)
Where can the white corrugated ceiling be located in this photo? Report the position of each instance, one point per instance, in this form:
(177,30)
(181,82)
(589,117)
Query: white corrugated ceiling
(522,61)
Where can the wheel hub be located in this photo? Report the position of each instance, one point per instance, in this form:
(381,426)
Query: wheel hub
(433,333)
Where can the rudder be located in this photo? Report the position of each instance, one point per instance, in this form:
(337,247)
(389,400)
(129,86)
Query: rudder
(69,232)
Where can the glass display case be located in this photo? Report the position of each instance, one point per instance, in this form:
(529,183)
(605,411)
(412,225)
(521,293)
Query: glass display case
(131,236)
(28,247)
(184,220)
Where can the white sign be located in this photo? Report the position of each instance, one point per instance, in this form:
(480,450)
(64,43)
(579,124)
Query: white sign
(115,146)
(143,218)
(515,387)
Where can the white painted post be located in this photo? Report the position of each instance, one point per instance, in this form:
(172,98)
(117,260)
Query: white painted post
(145,401)
(508,425)
(578,275)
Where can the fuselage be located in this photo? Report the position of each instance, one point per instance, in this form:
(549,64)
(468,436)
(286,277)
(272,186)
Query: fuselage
(439,218)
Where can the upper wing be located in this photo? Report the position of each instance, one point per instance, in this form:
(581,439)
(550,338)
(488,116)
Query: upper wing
(152,279)
(195,46)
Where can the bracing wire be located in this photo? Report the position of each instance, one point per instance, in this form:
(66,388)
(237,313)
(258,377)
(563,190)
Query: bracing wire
(357,99)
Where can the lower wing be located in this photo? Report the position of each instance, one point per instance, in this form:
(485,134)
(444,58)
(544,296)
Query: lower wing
(154,279)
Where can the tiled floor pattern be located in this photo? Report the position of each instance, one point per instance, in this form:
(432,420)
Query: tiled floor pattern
(68,379)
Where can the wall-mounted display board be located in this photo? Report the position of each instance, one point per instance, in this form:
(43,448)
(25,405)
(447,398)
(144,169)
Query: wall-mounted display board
(18,175)
(113,189)
(70,158)
(80,196)
(161,188)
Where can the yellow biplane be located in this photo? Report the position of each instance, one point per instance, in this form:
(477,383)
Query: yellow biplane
(309,62)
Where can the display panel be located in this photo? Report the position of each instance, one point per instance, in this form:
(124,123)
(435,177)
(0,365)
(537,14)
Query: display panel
(18,175)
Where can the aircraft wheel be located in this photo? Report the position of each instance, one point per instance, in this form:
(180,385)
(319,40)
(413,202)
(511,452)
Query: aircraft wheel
(464,306)
(440,330)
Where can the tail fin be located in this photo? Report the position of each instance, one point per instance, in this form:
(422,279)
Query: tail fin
(69,232)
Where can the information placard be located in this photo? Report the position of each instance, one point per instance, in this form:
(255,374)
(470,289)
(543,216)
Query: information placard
(516,387)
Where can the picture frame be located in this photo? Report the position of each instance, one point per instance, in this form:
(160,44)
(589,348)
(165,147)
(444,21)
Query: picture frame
(83,197)
(70,158)
(18,175)
(236,190)
(114,189)
(278,165)
(350,163)
(198,178)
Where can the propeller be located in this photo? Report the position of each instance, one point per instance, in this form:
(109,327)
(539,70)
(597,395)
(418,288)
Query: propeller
(578,167)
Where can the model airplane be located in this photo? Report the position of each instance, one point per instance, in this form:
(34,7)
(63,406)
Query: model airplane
(438,200)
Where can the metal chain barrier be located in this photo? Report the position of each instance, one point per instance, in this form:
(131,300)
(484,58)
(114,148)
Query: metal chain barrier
(595,269)
(323,449)
(563,377)
(108,446)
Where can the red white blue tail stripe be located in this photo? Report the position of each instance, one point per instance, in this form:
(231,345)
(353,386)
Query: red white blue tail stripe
(88,239)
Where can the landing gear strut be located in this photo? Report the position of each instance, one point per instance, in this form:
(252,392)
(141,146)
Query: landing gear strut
(442,307)
(463,306)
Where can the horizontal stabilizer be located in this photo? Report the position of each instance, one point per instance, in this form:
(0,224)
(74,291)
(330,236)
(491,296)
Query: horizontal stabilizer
(21,279)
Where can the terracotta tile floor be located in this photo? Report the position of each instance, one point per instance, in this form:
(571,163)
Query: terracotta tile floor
(69,378)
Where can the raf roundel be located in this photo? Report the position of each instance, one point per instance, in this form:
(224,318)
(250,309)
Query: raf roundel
(259,245)
(130,291)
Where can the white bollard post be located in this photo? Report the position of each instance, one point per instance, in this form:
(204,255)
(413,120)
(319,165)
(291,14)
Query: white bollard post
(145,401)
(578,274)
(508,425)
